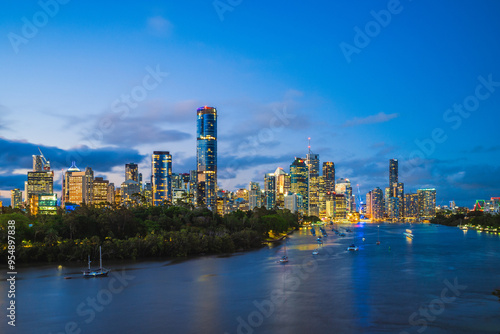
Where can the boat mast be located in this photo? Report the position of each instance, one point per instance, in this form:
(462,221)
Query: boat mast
(89,262)
(100,257)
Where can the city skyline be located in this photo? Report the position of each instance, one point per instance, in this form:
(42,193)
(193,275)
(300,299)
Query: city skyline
(111,92)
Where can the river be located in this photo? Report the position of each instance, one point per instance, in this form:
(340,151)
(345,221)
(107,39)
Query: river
(438,282)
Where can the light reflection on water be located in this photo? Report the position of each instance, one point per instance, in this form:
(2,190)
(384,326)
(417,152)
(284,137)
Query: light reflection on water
(373,290)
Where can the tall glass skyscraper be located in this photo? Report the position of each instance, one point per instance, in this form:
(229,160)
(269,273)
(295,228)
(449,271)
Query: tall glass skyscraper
(161,177)
(131,172)
(206,154)
(299,176)
(393,172)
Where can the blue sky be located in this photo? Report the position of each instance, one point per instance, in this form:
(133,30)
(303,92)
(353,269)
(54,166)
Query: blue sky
(277,74)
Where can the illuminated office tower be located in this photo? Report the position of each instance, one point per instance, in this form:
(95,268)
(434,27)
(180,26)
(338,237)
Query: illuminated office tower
(100,191)
(299,173)
(40,182)
(326,190)
(282,181)
(206,154)
(400,194)
(329,176)
(130,191)
(16,198)
(377,204)
(369,210)
(270,190)
(294,202)
(426,203)
(254,195)
(111,193)
(132,172)
(78,186)
(411,206)
(47,204)
(340,206)
(312,162)
(161,177)
(343,187)
(393,172)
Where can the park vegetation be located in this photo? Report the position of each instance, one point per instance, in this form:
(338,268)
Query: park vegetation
(139,232)
(473,218)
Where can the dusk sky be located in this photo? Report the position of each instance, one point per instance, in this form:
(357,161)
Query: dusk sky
(106,83)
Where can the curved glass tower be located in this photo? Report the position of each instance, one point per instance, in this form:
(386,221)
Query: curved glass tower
(206,153)
(161,177)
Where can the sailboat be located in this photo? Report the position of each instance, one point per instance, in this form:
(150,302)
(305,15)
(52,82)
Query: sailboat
(378,234)
(284,258)
(96,272)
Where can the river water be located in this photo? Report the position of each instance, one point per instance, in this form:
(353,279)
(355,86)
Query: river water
(439,282)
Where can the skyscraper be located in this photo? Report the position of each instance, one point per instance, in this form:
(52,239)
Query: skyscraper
(16,198)
(343,186)
(78,186)
(131,172)
(161,177)
(329,175)
(377,203)
(254,195)
(206,154)
(312,162)
(426,203)
(299,174)
(270,190)
(393,172)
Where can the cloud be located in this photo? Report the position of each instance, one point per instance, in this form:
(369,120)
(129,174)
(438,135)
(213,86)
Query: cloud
(381,117)
(159,26)
(482,149)
(15,154)
(155,121)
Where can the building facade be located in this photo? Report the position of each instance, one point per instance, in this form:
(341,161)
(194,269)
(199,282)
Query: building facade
(206,156)
(161,177)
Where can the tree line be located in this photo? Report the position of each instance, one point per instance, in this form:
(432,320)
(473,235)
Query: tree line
(131,233)
(477,218)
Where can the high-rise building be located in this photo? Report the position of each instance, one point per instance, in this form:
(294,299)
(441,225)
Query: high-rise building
(329,176)
(299,184)
(294,202)
(131,193)
(78,186)
(411,206)
(254,195)
(343,187)
(377,203)
(100,191)
(161,177)
(206,154)
(111,193)
(393,172)
(427,203)
(340,206)
(132,172)
(312,162)
(47,204)
(270,190)
(16,198)
(39,182)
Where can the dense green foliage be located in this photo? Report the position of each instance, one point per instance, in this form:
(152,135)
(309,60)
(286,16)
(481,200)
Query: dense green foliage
(129,233)
(476,218)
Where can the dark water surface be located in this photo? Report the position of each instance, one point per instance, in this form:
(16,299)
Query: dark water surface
(439,282)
